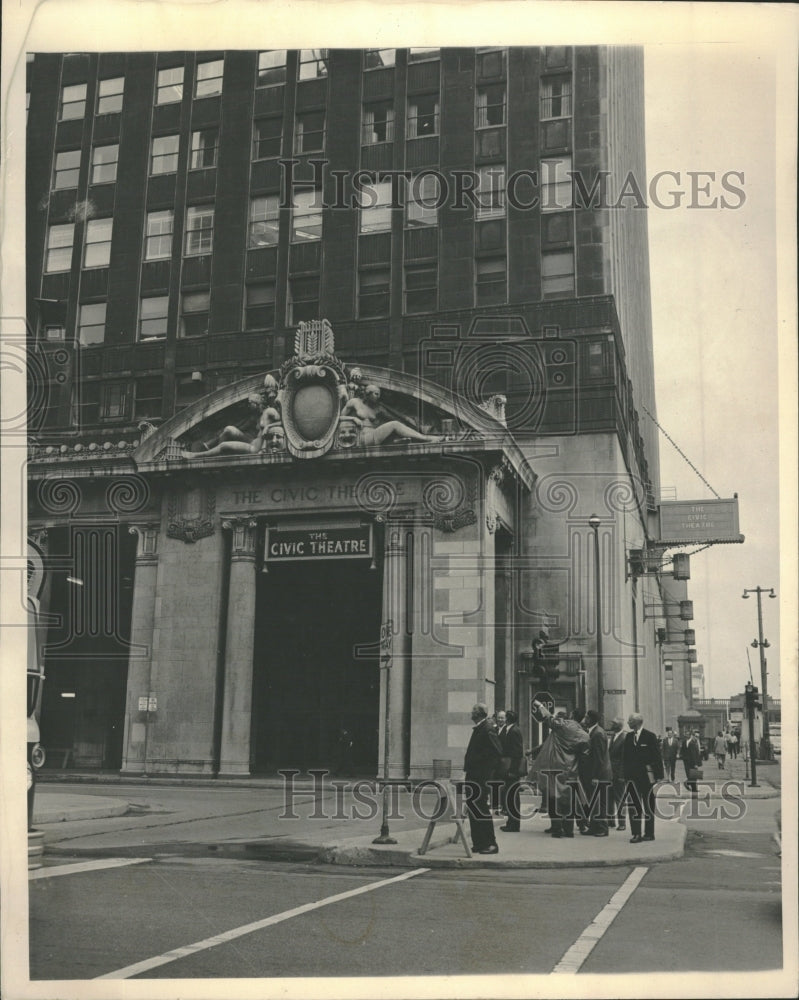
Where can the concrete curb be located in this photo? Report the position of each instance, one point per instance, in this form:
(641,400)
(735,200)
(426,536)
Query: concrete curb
(63,808)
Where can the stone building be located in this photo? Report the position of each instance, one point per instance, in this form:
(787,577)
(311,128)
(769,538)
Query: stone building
(334,354)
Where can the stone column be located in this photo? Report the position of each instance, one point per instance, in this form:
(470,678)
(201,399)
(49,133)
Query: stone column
(395,612)
(143,657)
(234,755)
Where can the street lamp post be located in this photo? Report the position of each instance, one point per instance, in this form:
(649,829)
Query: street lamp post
(762,645)
(594,522)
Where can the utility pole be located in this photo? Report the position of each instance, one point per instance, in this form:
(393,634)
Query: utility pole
(594,522)
(762,645)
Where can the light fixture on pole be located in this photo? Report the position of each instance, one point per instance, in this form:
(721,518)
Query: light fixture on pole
(594,523)
(762,644)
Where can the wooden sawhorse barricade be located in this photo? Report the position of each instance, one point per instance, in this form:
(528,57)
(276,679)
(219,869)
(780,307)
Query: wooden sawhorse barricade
(450,810)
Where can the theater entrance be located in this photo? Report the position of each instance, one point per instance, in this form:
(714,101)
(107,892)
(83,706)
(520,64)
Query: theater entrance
(310,679)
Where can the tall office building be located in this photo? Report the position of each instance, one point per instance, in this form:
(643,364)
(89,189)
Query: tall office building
(341,372)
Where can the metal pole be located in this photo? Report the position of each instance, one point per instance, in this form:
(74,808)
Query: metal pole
(384,837)
(750,711)
(594,523)
(763,682)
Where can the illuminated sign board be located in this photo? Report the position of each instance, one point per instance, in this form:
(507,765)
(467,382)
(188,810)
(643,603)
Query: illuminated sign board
(289,544)
(699,521)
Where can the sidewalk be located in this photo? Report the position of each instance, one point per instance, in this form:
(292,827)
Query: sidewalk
(242,818)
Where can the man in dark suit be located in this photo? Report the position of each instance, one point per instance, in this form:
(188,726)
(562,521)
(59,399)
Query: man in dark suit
(692,760)
(483,756)
(616,740)
(513,752)
(642,767)
(669,751)
(596,777)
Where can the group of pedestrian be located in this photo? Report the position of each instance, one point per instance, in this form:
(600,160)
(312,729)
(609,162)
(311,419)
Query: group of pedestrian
(586,776)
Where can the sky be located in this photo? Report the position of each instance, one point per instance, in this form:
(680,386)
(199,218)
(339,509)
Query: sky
(714,310)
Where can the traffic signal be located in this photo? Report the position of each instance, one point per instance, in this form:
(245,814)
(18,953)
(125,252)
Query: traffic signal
(753,701)
(546,657)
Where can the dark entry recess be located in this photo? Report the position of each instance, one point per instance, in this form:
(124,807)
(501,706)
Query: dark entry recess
(308,683)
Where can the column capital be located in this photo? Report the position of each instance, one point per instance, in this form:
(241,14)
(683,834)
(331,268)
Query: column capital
(147,537)
(243,528)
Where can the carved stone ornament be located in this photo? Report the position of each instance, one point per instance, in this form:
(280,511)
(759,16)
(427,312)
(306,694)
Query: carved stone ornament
(191,516)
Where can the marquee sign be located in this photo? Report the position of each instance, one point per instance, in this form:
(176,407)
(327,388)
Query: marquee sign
(320,544)
(688,522)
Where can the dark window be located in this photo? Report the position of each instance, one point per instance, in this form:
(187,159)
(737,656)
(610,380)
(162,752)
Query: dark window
(306,216)
(491,105)
(374,292)
(109,95)
(170,85)
(194,312)
(310,134)
(556,97)
(491,64)
(271,67)
(164,156)
(73,101)
(303,300)
(267,138)
(490,281)
(312,64)
(59,247)
(557,274)
(259,306)
(378,123)
(422,115)
(556,229)
(421,288)
(375,58)
(597,360)
(97,252)
(199,230)
(209,78)
(67,169)
(264,221)
(116,401)
(149,392)
(153,317)
(158,243)
(86,403)
(104,164)
(203,148)
(91,323)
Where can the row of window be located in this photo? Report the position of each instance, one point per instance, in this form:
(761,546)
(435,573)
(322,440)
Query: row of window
(420,295)
(424,196)
(312,64)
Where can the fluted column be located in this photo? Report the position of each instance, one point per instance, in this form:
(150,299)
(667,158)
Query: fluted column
(396,620)
(234,756)
(143,658)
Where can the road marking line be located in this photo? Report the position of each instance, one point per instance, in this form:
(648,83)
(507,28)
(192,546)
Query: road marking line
(237,932)
(84,866)
(574,958)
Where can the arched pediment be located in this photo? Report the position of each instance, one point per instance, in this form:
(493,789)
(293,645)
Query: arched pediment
(314,405)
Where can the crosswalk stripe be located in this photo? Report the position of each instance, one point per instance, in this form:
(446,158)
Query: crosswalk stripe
(574,958)
(84,866)
(236,932)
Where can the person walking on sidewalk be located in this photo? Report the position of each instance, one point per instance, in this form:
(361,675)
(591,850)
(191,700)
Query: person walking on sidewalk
(597,777)
(720,750)
(692,761)
(480,765)
(513,752)
(555,768)
(670,751)
(618,734)
(642,766)
(498,722)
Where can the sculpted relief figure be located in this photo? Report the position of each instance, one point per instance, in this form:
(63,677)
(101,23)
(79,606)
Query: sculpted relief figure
(268,429)
(364,410)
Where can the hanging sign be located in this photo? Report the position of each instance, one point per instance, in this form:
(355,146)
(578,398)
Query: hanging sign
(288,544)
(699,521)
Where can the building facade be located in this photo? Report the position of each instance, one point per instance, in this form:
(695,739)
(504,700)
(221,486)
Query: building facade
(334,354)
